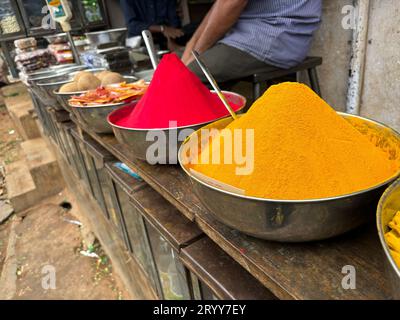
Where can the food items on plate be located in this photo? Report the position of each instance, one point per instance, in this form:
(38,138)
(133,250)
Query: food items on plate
(302,150)
(102,74)
(69,87)
(124,92)
(111,78)
(85,80)
(88,82)
(78,75)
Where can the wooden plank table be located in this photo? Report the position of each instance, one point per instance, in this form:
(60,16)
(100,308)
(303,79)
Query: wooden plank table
(290,271)
(227,279)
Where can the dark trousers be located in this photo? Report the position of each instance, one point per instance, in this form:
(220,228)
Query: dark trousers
(228,63)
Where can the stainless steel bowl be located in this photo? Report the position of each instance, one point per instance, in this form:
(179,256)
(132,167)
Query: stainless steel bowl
(146,75)
(49,89)
(58,75)
(387,208)
(57,38)
(95,117)
(45,87)
(142,141)
(63,98)
(46,92)
(117,36)
(295,220)
(55,75)
(50,71)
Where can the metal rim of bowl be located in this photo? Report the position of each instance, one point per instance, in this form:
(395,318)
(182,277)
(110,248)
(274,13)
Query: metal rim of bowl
(54,36)
(49,84)
(379,226)
(56,92)
(51,69)
(63,66)
(182,127)
(387,181)
(58,73)
(106,31)
(119,104)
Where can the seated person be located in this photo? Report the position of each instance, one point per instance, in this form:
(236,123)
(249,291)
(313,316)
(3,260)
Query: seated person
(158,16)
(237,38)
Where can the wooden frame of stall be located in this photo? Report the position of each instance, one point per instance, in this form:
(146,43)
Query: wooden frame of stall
(205,259)
(159,253)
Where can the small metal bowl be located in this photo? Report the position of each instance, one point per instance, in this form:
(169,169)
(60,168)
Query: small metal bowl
(63,97)
(140,141)
(57,38)
(387,208)
(47,96)
(43,84)
(50,70)
(98,38)
(57,74)
(47,87)
(295,220)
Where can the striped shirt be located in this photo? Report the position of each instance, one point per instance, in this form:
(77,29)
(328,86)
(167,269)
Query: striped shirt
(278,32)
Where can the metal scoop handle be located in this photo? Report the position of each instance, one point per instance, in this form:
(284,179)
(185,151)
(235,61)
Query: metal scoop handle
(148,40)
(213,83)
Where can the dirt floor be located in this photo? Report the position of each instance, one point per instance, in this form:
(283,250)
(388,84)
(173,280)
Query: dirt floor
(45,253)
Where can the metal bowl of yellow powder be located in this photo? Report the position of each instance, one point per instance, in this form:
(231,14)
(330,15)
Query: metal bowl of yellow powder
(388,223)
(294,220)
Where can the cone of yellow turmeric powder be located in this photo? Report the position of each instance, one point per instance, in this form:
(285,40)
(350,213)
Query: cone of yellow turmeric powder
(302,150)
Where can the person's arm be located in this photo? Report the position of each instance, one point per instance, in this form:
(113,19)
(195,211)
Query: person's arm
(187,55)
(223,15)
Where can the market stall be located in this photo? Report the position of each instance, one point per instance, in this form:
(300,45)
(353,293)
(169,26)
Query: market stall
(311,214)
(179,239)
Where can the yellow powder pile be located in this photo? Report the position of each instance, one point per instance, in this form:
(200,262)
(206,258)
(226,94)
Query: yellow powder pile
(302,150)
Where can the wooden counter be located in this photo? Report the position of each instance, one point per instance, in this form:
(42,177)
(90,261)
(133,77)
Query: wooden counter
(289,271)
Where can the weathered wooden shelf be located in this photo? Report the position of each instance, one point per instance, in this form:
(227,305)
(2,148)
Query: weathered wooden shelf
(289,271)
(221,273)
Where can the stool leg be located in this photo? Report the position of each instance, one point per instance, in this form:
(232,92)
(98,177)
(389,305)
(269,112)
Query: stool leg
(256,90)
(313,76)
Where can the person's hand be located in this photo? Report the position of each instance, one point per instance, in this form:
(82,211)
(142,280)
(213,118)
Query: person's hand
(174,47)
(172,33)
(187,59)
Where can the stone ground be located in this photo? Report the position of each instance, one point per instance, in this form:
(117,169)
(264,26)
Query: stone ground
(41,248)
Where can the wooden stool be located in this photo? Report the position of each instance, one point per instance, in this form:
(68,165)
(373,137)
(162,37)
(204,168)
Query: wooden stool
(309,64)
